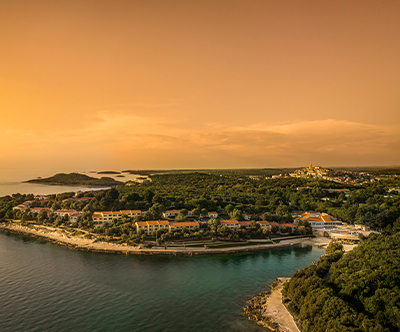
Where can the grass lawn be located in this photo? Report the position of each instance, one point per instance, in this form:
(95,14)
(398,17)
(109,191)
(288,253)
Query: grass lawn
(287,238)
(219,244)
(233,245)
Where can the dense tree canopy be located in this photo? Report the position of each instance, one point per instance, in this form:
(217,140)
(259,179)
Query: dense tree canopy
(358,291)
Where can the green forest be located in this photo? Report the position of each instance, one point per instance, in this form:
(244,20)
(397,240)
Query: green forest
(231,196)
(356,292)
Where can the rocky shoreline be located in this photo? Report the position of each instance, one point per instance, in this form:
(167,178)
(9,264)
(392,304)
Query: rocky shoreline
(267,309)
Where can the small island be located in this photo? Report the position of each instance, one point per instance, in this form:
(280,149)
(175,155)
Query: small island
(109,172)
(75,179)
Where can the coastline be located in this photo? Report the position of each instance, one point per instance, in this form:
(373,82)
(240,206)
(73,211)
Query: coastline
(267,309)
(105,186)
(78,242)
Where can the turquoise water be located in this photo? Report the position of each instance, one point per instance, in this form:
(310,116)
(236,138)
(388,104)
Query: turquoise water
(45,287)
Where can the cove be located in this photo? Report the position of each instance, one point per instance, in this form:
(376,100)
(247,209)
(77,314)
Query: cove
(45,287)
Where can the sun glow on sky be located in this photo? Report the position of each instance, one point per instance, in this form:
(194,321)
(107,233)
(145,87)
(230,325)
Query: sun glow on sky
(94,85)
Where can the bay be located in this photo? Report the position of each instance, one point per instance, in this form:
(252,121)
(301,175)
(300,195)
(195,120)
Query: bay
(45,287)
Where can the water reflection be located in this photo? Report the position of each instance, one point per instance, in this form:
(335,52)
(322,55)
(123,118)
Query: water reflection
(48,287)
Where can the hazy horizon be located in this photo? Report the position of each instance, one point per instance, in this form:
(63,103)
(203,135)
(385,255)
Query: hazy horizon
(119,85)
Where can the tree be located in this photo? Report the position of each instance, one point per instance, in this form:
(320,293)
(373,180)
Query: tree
(229,208)
(254,225)
(274,229)
(284,229)
(55,206)
(266,232)
(137,218)
(213,222)
(196,212)
(42,216)
(236,215)
(223,231)
(10,214)
(396,226)
(333,247)
(157,199)
(148,196)
(204,212)
(58,221)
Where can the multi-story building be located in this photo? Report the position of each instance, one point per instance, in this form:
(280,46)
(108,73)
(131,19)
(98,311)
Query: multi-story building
(231,224)
(171,213)
(62,213)
(107,216)
(152,225)
(38,209)
(264,224)
(318,219)
(213,214)
(187,224)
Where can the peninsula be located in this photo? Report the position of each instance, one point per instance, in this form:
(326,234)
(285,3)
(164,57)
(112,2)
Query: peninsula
(76,179)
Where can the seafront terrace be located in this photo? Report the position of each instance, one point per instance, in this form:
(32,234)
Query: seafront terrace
(342,232)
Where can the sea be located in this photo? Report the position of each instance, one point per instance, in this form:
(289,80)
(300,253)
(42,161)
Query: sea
(12,182)
(47,287)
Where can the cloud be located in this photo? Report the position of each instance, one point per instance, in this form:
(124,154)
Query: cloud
(120,139)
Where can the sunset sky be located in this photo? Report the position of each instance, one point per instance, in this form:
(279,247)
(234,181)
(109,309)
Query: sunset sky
(94,85)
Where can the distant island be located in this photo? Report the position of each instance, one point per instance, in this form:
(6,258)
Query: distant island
(76,179)
(108,172)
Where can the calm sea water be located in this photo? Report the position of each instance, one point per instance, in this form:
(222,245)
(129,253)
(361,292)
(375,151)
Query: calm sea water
(11,182)
(45,287)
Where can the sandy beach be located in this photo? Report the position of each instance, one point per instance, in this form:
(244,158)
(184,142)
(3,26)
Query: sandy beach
(277,312)
(267,309)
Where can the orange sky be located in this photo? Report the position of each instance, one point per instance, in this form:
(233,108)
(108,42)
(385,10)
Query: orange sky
(92,85)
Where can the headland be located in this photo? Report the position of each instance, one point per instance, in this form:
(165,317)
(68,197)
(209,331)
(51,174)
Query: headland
(74,239)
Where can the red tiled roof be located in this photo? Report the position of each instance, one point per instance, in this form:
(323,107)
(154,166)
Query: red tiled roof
(263,222)
(40,208)
(242,223)
(182,224)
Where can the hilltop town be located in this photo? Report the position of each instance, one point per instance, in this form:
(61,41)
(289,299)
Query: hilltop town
(340,176)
